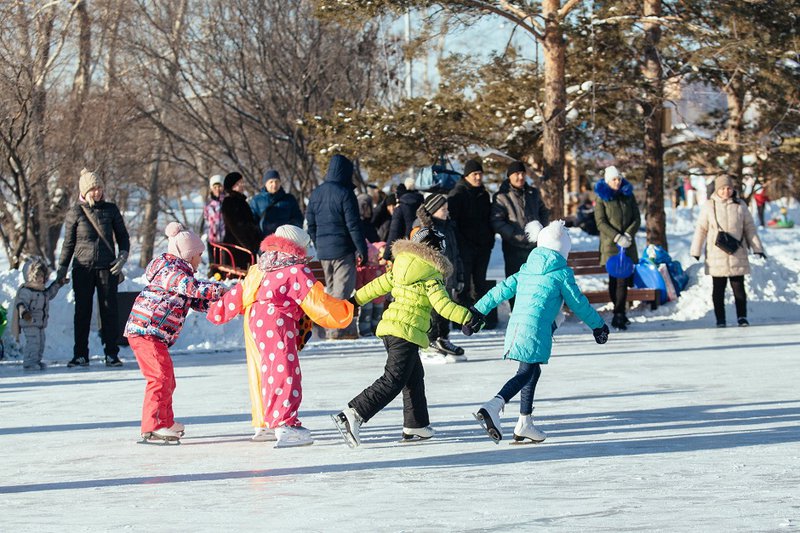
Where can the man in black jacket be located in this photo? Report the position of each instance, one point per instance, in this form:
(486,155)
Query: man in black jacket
(470,206)
(515,204)
(90,230)
(334,224)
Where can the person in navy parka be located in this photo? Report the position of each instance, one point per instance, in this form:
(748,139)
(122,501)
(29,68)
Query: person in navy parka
(273,207)
(541,286)
(334,225)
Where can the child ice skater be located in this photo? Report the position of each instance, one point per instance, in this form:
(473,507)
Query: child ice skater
(31,308)
(416,282)
(156,320)
(277,294)
(541,286)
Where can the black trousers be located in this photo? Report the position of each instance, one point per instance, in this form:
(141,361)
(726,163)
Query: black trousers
(514,258)
(403,372)
(475,262)
(84,282)
(440,327)
(739,296)
(618,291)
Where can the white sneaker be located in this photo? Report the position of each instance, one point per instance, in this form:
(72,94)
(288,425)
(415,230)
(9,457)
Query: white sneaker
(489,417)
(264,435)
(291,436)
(418,433)
(526,430)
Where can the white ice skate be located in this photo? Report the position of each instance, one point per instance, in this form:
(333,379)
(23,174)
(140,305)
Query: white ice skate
(177,427)
(348,422)
(412,434)
(161,436)
(525,432)
(489,417)
(289,437)
(264,435)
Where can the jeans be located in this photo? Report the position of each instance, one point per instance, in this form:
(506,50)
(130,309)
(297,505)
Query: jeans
(525,380)
(340,282)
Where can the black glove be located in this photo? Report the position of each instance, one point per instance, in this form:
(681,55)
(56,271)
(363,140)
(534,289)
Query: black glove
(474,324)
(696,257)
(762,255)
(600,334)
(352,300)
(61,274)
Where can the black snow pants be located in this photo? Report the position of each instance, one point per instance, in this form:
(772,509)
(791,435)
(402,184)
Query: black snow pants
(403,372)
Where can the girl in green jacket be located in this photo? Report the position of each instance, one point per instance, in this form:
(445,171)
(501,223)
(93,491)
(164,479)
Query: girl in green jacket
(416,282)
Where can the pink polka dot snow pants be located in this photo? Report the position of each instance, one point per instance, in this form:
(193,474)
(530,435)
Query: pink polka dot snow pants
(276,338)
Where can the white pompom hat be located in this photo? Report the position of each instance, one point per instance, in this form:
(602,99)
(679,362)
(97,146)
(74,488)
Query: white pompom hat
(299,236)
(611,173)
(554,237)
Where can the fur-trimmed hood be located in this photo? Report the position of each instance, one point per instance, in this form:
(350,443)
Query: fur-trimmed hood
(415,262)
(278,252)
(606,193)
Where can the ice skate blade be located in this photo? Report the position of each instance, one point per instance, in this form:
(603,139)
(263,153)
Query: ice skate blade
(343,432)
(410,439)
(487,427)
(293,444)
(149,438)
(520,441)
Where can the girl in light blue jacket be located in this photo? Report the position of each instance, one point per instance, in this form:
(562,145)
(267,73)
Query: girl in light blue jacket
(541,286)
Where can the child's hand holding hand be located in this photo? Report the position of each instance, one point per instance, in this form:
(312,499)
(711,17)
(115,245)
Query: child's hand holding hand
(474,324)
(600,334)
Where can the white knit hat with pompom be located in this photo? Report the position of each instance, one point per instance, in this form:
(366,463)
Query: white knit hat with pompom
(554,237)
(183,243)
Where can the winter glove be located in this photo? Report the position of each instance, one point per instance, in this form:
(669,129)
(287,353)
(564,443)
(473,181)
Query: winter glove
(600,334)
(61,274)
(474,324)
(623,239)
(762,255)
(119,262)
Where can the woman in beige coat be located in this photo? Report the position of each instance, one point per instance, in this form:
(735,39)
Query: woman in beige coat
(724,211)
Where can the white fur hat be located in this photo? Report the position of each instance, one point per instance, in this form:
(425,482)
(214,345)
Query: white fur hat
(554,237)
(216,179)
(299,236)
(611,173)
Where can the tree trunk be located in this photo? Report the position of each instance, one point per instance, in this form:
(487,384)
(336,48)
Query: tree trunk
(555,97)
(655,218)
(735,93)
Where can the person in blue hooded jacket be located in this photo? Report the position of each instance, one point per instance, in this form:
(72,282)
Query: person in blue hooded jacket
(334,224)
(541,286)
(618,220)
(273,207)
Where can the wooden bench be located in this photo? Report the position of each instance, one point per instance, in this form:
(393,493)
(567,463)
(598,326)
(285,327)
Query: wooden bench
(588,263)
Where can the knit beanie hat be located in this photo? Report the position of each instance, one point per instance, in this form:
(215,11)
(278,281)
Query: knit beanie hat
(723,181)
(232,179)
(431,238)
(472,166)
(410,183)
(554,237)
(216,179)
(611,173)
(183,243)
(271,174)
(299,236)
(88,181)
(433,202)
(516,166)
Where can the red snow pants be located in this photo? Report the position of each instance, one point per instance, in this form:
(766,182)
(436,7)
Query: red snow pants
(156,366)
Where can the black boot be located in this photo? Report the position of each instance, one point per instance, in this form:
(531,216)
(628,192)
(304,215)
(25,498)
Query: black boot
(619,321)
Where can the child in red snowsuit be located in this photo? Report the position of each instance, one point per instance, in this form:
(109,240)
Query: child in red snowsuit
(156,320)
(278,292)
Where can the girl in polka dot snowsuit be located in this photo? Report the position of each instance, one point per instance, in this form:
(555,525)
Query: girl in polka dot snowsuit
(277,294)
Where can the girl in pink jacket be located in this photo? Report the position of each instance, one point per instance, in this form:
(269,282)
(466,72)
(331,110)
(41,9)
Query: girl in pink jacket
(278,294)
(156,320)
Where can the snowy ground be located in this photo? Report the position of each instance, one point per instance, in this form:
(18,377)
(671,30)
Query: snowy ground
(672,425)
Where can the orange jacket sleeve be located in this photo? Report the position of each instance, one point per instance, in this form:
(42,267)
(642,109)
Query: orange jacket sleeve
(325,310)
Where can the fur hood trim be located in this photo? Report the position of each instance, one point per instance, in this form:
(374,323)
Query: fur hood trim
(606,193)
(279,244)
(434,258)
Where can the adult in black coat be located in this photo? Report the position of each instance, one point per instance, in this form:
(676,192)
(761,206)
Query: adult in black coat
(470,208)
(334,225)
(95,265)
(403,219)
(366,210)
(382,216)
(240,226)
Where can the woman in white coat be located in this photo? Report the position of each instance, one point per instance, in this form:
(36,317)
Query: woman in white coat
(725,211)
